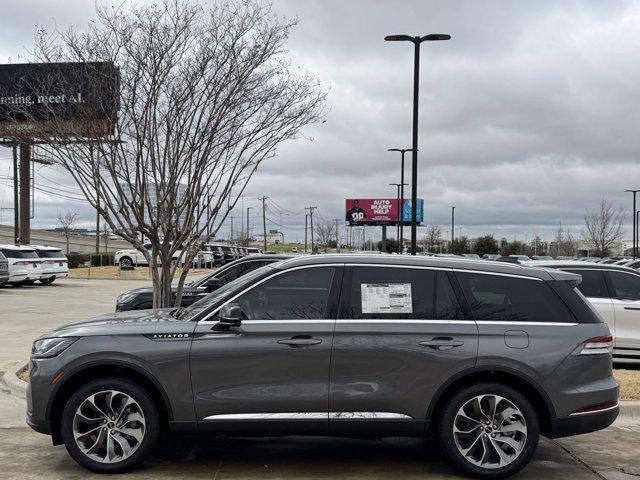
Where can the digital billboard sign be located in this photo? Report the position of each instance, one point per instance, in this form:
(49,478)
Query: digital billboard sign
(380,211)
(78,98)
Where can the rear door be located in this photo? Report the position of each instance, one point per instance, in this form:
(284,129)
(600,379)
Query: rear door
(594,287)
(625,293)
(401,333)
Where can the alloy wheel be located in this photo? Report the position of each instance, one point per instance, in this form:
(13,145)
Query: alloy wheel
(109,426)
(490,431)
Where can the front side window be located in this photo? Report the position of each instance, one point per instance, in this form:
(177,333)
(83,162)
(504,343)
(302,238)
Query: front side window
(400,293)
(625,285)
(592,284)
(502,298)
(236,271)
(301,294)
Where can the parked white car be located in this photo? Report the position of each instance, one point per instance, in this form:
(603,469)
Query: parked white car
(54,263)
(132,257)
(25,267)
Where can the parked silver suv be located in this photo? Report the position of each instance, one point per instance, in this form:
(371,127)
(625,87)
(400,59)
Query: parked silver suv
(486,356)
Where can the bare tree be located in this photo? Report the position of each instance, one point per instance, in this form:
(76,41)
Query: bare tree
(67,221)
(565,243)
(603,228)
(326,233)
(433,237)
(205,95)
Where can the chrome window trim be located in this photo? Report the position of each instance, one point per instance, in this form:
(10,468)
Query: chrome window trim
(500,274)
(206,321)
(384,320)
(310,416)
(546,324)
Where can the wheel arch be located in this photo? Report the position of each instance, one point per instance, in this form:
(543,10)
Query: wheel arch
(95,371)
(505,376)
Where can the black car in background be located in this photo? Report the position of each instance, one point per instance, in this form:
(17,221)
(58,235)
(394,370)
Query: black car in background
(218,254)
(142,298)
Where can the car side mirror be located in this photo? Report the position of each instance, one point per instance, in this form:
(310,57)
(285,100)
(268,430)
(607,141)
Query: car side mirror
(212,284)
(230,315)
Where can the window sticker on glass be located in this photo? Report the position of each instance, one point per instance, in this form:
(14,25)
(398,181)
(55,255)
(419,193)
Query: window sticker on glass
(386,298)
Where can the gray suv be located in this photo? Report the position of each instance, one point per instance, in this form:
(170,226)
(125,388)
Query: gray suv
(483,355)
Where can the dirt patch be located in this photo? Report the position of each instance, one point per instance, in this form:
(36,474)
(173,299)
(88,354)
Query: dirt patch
(23,374)
(138,273)
(629,383)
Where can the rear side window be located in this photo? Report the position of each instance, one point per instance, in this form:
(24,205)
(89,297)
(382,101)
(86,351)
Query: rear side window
(238,270)
(592,284)
(512,299)
(9,253)
(400,293)
(625,285)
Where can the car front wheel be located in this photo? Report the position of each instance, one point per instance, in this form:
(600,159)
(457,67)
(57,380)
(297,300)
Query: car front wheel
(489,430)
(110,425)
(126,262)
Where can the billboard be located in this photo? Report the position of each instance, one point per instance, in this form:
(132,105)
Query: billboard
(380,211)
(58,98)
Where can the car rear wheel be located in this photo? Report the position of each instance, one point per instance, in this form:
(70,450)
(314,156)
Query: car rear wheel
(489,430)
(48,281)
(110,425)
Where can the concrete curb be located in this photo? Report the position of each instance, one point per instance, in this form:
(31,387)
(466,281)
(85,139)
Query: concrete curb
(10,383)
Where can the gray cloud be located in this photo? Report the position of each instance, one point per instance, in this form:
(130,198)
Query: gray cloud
(527,116)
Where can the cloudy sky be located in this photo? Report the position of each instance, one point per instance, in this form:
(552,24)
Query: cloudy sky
(528,116)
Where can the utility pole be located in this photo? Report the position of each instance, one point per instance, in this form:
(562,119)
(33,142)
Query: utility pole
(401,195)
(248,234)
(453,223)
(306,221)
(25,200)
(16,206)
(311,209)
(264,220)
(231,237)
(97,203)
(337,238)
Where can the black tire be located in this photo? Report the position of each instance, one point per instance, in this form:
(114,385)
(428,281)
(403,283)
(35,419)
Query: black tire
(126,262)
(151,419)
(448,442)
(18,284)
(48,281)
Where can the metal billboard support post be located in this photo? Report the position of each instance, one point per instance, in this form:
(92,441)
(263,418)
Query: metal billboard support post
(25,180)
(383,248)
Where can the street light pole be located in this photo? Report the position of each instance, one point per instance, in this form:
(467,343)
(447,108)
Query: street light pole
(633,243)
(417,40)
(248,234)
(401,196)
(399,187)
(453,226)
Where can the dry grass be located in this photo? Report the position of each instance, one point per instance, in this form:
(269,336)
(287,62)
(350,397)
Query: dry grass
(629,383)
(139,273)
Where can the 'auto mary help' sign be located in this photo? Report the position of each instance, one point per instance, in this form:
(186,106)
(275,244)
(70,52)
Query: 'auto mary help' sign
(380,211)
(58,98)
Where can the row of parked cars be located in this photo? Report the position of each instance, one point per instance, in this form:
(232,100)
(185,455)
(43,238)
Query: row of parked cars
(27,264)
(211,255)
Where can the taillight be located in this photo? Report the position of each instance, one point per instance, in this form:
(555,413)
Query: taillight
(598,346)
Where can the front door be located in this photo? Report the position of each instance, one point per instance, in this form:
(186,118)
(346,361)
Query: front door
(625,293)
(270,374)
(400,335)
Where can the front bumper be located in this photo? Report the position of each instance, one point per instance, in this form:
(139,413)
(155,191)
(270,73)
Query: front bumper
(577,424)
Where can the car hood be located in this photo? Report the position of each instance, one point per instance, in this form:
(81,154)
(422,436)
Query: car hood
(133,322)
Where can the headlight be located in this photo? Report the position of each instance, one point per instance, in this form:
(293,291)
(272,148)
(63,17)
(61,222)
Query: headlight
(125,297)
(50,347)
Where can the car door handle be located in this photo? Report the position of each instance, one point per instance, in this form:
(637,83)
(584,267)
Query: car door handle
(632,308)
(300,341)
(442,343)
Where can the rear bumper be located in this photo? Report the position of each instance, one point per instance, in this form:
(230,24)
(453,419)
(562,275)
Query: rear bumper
(583,423)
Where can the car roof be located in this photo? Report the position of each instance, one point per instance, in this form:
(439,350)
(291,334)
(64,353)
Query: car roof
(578,264)
(46,247)
(459,263)
(18,247)
(267,256)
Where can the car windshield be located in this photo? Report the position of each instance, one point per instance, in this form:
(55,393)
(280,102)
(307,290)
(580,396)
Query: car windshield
(10,253)
(193,310)
(49,253)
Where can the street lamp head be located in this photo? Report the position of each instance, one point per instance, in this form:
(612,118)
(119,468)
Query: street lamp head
(432,37)
(399,38)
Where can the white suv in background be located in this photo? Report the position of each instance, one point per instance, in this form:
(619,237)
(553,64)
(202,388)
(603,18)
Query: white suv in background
(25,267)
(54,263)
